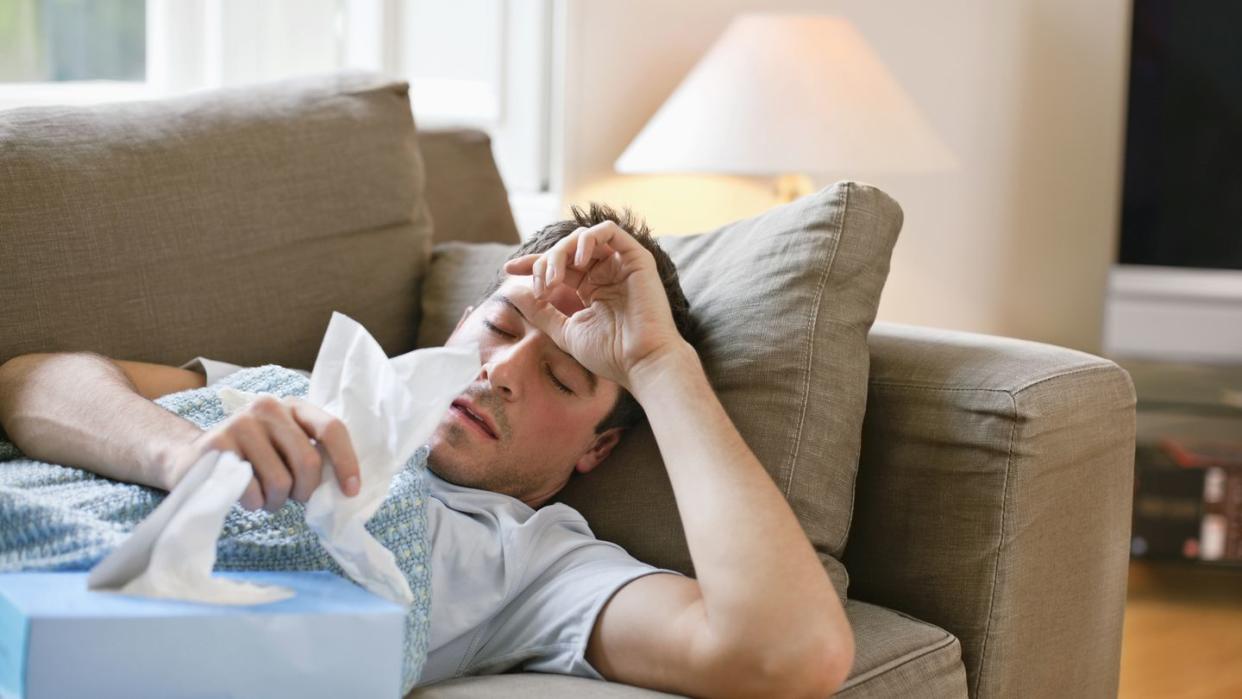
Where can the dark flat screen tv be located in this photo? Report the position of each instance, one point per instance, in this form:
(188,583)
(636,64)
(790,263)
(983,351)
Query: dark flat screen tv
(1182,193)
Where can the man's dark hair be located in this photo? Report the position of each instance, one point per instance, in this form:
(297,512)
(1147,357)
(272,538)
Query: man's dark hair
(626,412)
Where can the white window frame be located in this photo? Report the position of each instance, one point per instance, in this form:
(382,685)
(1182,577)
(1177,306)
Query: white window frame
(72,92)
(178,59)
(79,92)
(518,116)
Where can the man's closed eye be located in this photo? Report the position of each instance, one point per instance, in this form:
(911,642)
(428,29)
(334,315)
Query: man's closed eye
(496,329)
(547,368)
(557,382)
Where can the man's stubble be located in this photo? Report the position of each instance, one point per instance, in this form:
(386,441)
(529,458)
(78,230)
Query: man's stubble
(493,474)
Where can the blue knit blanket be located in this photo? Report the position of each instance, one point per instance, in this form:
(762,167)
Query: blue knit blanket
(61,518)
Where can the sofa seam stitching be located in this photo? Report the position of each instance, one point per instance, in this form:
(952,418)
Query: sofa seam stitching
(808,364)
(856,459)
(928,387)
(1000,545)
(1010,391)
(945,642)
(1071,372)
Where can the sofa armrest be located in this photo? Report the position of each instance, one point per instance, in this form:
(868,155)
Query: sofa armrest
(993,500)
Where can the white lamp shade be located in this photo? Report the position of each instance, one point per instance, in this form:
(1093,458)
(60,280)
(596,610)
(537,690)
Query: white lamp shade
(781,94)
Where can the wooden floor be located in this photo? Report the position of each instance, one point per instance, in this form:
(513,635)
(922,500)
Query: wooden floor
(1183,633)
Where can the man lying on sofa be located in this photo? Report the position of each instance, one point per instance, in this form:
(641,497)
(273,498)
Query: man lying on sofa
(586,324)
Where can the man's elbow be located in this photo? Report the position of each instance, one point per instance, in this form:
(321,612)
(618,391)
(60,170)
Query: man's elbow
(834,668)
(815,668)
(13,373)
(822,670)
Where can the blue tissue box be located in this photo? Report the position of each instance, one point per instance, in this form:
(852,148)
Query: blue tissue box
(333,639)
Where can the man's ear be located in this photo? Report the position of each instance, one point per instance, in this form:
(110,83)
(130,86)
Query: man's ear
(464,315)
(599,449)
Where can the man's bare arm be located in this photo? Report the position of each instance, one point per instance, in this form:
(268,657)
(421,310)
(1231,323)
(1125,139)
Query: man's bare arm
(85,410)
(82,409)
(762,619)
(763,615)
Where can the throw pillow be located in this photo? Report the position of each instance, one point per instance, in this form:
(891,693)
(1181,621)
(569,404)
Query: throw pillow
(458,275)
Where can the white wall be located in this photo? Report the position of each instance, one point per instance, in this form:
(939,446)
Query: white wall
(1027,93)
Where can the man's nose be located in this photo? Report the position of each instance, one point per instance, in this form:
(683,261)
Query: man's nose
(504,369)
(494,374)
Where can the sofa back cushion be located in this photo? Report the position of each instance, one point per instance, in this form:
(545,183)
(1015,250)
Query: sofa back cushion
(229,224)
(466,196)
(783,303)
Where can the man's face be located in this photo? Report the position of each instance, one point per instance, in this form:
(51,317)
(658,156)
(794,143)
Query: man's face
(527,422)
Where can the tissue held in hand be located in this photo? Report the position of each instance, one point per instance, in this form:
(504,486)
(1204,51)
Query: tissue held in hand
(389,407)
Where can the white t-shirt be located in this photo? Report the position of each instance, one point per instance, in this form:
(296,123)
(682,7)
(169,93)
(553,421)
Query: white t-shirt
(511,587)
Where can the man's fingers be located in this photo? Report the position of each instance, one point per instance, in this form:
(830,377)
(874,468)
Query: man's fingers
(537,272)
(591,248)
(252,497)
(295,448)
(616,237)
(574,252)
(558,257)
(567,261)
(332,436)
(573,256)
(603,272)
(543,315)
(582,256)
(303,460)
(521,265)
(269,468)
(551,321)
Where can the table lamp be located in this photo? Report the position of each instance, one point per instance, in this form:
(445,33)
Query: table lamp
(786,95)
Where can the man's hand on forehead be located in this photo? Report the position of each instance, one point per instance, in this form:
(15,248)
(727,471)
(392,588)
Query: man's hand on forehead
(625,319)
(525,301)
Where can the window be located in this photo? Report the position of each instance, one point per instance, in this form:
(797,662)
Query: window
(65,40)
(479,63)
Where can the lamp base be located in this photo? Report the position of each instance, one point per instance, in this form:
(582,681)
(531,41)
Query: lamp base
(790,187)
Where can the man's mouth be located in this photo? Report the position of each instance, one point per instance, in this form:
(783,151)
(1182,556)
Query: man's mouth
(473,415)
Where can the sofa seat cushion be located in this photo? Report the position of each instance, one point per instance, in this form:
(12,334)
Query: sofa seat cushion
(530,685)
(228,223)
(896,656)
(782,302)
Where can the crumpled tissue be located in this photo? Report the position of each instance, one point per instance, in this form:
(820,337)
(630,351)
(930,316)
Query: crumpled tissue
(389,408)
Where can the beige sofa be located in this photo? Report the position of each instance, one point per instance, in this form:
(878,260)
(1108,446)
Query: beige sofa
(989,539)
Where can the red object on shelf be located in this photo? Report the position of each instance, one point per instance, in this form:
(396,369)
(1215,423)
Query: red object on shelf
(1191,454)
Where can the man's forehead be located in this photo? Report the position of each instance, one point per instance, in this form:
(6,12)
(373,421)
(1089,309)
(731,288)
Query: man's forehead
(519,293)
(520,290)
